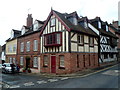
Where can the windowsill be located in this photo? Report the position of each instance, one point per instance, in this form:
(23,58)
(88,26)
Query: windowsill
(45,66)
(81,44)
(35,50)
(91,45)
(50,45)
(61,67)
(27,51)
(35,67)
(52,25)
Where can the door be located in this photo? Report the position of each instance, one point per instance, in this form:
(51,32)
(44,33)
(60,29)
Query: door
(53,64)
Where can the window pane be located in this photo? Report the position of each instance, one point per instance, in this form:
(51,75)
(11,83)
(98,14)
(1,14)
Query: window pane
(53,22)
(58,38)
(14,61)
(21,60)
(35,62)
(45,60)
(62,61)
(28,46)
(22,47)
(10,60)
(35,45)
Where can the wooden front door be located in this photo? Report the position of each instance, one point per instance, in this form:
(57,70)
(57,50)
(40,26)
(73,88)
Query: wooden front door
(53,64)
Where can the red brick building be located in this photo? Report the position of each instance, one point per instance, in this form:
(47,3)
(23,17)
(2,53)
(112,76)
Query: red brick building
(28,50)
(67,45)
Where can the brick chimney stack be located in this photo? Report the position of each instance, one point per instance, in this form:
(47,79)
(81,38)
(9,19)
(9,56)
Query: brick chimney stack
(29,20)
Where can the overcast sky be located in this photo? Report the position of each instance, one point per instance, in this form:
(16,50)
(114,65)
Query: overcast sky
(13,13)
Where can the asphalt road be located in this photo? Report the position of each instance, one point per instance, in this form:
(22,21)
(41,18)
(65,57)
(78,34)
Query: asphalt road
(107,78)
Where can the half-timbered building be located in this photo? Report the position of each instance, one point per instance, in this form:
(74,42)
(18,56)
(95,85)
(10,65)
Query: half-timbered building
(108,41)
(67,46)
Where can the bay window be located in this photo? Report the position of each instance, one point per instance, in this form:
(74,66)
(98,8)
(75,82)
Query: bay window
(53,39)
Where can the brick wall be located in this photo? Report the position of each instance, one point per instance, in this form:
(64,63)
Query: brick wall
(71,60)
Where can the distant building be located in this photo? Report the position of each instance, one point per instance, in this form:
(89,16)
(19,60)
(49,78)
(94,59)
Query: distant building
(3,55)
(114,28)
(11,47)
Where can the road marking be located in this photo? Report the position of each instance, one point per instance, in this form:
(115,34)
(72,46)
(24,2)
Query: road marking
(111,72)
(95,72)
(52,80)
(64,78)
(15,86)
(29,84)
(117,71)
(41,82)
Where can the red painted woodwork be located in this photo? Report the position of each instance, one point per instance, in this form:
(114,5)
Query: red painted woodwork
(53,64)
(53,40)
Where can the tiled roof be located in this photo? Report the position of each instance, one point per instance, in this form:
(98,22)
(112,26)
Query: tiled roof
(77,28)
(29,32)
(103,32)
(115,29)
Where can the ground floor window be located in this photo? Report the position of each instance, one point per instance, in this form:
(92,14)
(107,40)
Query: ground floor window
(10,60)
(35,62)
(45,60)
(21,61)
(14,60)
(111,55)
(105,56)
(62,63)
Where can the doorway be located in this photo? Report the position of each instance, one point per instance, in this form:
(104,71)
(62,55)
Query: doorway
(53,64)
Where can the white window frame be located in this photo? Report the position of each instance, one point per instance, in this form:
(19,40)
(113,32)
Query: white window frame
(45,60)
(58,38)
(14,61)
(62,61)
(28,46)
(10,60)
(22,46)
(35,47)
(21,61)
(35,62)
(52,22)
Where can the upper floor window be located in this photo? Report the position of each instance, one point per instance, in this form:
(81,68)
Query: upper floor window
(52,22)
(14,48)
(99,24)
(35,26)
(35,48)
(53,39)
(28,46)
(81,39)
(22,47)
(91,41)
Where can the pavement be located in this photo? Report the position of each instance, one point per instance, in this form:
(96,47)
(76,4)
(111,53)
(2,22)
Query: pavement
(32,79)
(75,74)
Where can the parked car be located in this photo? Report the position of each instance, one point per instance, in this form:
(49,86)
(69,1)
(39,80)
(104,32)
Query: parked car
(7,68)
